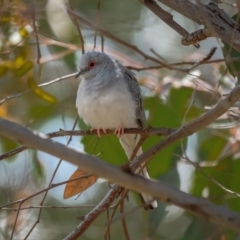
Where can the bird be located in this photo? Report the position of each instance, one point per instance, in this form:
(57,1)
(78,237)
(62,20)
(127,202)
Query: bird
(109,97)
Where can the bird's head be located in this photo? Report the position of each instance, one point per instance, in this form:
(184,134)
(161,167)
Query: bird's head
(94,64)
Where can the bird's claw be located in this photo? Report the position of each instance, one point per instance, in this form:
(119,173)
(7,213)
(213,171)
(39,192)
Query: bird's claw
(119,131)
(99,131)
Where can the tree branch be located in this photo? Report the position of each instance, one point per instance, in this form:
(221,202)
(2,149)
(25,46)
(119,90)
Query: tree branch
(158,190)
(220,108)
(90,217)
(165,16)
(146,132)
(218,22)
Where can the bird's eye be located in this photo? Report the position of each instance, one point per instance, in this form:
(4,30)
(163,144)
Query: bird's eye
(91,64)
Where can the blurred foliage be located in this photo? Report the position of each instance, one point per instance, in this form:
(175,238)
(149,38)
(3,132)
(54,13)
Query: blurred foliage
(213,151)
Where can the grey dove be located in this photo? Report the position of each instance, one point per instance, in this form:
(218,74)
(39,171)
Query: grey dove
(109,97)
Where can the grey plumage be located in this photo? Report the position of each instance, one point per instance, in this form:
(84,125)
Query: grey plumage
(109,97)
(137,97)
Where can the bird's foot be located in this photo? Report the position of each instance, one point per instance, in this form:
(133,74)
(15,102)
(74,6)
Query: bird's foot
(119,131)
(99,131)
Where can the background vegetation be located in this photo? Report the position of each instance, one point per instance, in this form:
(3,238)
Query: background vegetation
(41,41)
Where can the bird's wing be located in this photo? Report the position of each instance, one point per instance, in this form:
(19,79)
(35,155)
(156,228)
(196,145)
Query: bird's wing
(135,90)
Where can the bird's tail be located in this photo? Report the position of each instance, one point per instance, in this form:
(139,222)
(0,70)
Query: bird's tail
(128,142)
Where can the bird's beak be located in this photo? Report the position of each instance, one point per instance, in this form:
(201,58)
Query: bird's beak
(81,72)
(78,74)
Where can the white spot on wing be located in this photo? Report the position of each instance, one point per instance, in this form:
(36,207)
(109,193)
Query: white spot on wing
(118,69)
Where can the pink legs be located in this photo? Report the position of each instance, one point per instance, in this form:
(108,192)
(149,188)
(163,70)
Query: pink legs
(99,131)
(119,131)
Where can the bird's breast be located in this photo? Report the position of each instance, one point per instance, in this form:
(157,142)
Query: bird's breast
(107,109)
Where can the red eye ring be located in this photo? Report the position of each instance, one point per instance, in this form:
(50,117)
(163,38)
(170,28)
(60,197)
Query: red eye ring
(91,64)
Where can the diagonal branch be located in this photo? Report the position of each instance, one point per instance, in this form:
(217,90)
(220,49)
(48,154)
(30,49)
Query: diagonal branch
(216,20)
(165,16)
(200,207)
(186,130)
(91,164)
(89,218)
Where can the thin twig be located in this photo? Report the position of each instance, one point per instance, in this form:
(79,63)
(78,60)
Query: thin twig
(130,67)
(78,28)
(50,183)
(206,59)
(198,168)
(107,234)
(42,191)
(15,221)
(115,207)
(90,217)
(133,47)
(147,132)
(137,147)
(47,207)
(40,85)
(157,54)
(123,220)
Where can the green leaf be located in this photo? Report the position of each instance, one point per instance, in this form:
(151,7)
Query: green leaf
(156,217)
(198,229)
(210,146)
(161,115)
(162,162)
(233,201)
(179,100)
(25,67)
(108,148)
(40,92)
(210,149)
(220,173)
(8,145)
(38,170)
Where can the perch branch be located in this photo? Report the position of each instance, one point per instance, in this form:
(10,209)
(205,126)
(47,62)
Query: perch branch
(200,207)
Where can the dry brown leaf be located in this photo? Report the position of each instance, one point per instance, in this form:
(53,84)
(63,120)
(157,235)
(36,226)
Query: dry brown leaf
(75,187)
